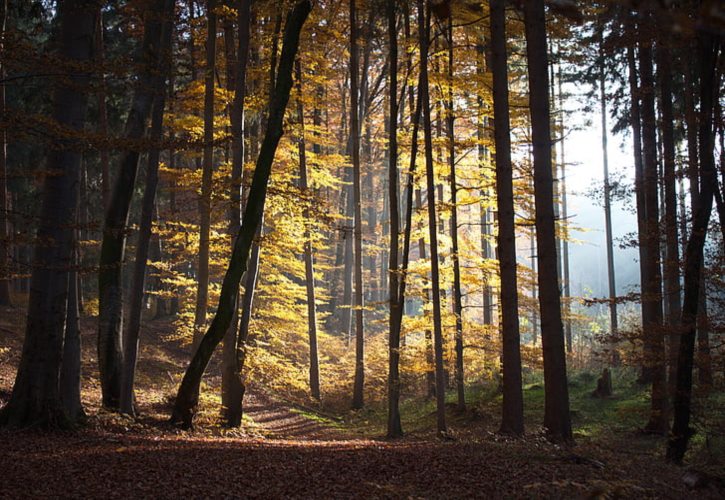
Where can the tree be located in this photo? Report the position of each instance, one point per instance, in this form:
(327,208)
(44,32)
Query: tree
(36,398)
(202,291)
(357,396)
(232,386)
(707,49)
(5,298)
(512,417)
(148,204)
(557,420)
(424,34)
(188,395)
(113,247)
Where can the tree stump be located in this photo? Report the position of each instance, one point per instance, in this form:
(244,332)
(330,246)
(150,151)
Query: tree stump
(604,385)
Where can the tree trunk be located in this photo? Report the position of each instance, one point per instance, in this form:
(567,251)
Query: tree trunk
(357,397)
(232,385)
(613,326)
(5,251)
(188,396)
(36,399)
(309,258)
(672,250)
(652,280)
(397,303)
(110,282)
(131,337)
(512,417)
(103,117)
(457,293)
(681,431)
(424,33)
(202,275)
(557,420)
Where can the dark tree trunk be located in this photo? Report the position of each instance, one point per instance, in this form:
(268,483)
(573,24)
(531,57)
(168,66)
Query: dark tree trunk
(424,33)
(397,302)
(672,249)
(70,372)
(5,251)
(36,398)
(357,396)
(557,420)
(202,274)
(232,385)
(110,282)
(131,337)
(652,280)
(681,431)
(512,417)
(103,117)
(308,257)
(188,396)
(457,293)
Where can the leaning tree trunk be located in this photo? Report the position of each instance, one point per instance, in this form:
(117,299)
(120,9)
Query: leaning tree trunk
(232,386)
(110,282)
(512,416)
(424,34)
(148,202)
(36,399)
(202,275)
(681,431)
(187,398)
(557,420)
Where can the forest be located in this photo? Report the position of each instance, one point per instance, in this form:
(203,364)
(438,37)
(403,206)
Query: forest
(362,248)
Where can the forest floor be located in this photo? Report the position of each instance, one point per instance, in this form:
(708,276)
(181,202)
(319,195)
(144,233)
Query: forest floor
(285,450)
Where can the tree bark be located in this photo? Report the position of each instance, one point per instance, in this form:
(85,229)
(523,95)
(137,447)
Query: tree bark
(308,257)
(512,416)
(395,429)
(652,280)
(232,385)
(5,250)
(110,282)
(557,420)
(36,400)
(188,396)
(424,34)
(202,275)
(357,397)
(131,337)
(681,431)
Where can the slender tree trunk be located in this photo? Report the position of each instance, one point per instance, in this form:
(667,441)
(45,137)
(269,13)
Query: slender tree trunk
(557,420)
(110,282)
(652,280)
(397,302)
(70,372)
(672,252)
(565,218)
(457,293)
(357,398)
(512,417)
(681,431)
(5,250)
(187,398)
(131,337)
(308,257)
(103,116)
(613,326)
(232,385)
(36,398)
(202,275)
(424,33)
